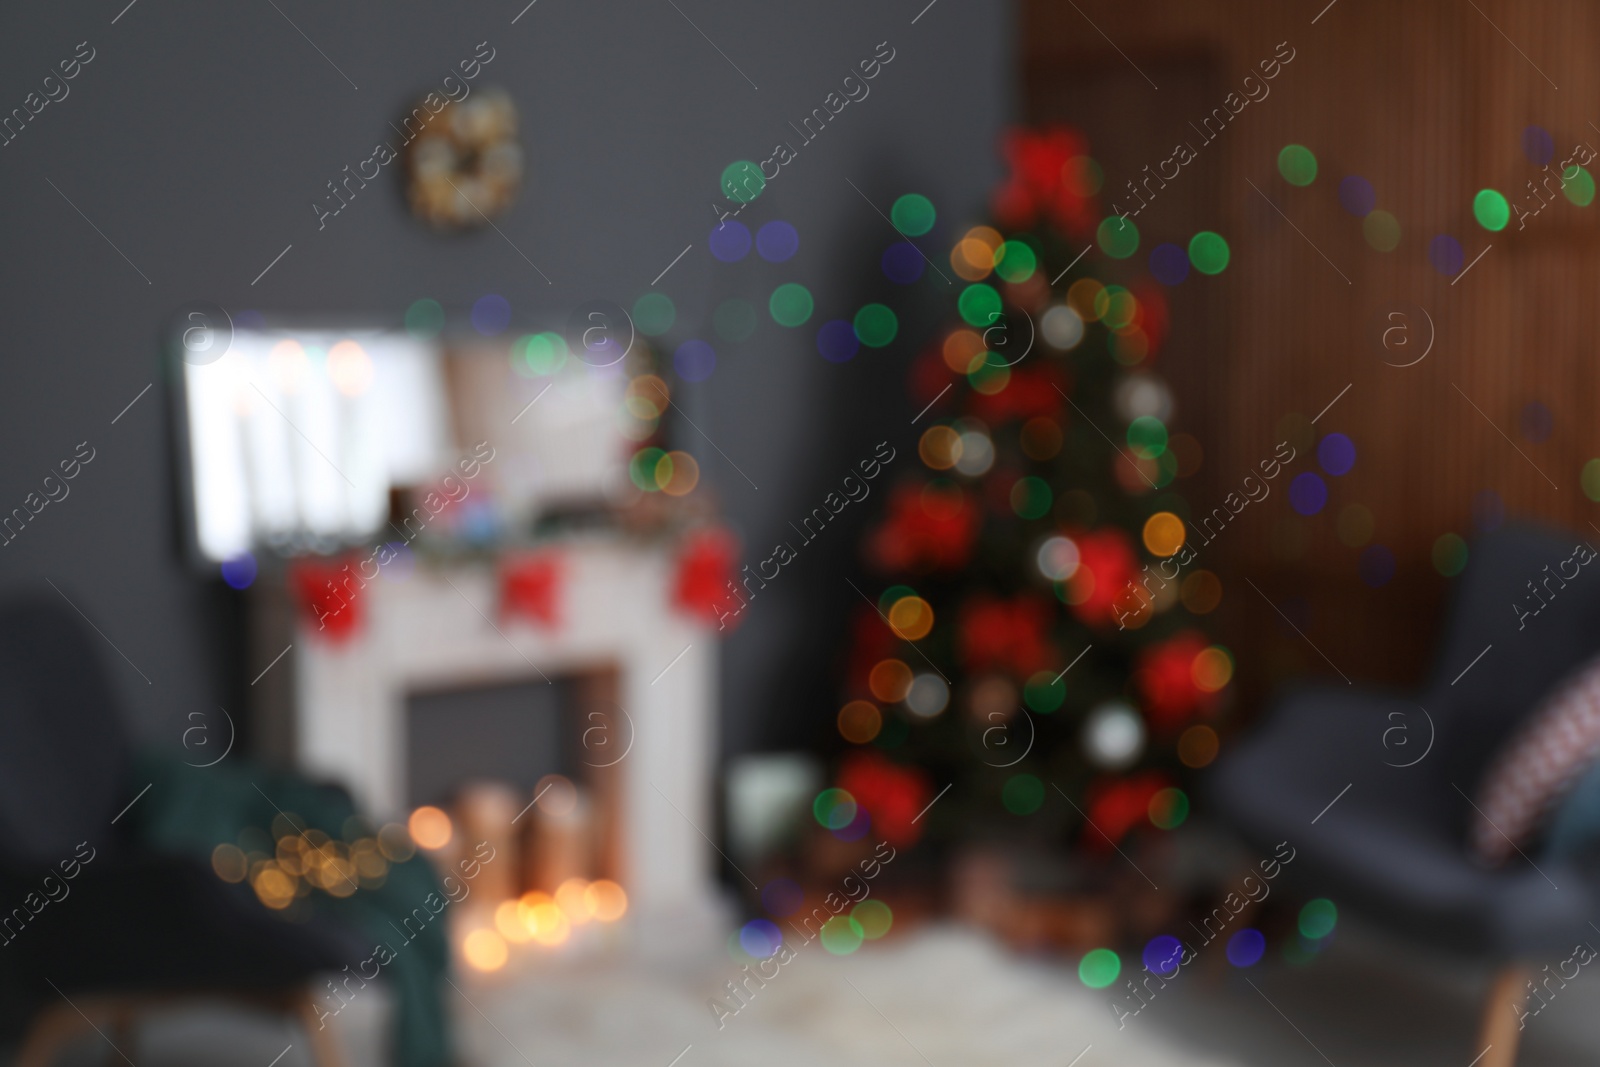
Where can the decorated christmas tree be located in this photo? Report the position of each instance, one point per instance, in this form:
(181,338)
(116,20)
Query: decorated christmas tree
(1036,642)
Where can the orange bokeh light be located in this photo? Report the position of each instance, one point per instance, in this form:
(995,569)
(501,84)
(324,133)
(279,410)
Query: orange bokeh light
(430,828)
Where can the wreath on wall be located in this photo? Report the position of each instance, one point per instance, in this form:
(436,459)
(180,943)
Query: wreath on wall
(465,166)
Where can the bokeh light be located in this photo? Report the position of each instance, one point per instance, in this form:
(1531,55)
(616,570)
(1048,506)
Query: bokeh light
(911,618)
(1031,497)
(606,900)
(485,950)
(860,721)
(979,305)
(240,571)
(913,214)
(928,695)
(1212,669)
(491,314)
(1355,525)
(1147,437)
(730,240)
(742,181)
(1491,210)
(1044,692)
(1118,237)
(1099,968)
(834,808)
(1357,196)
(1449,554)
(1578,185)
(424,319)
(429,827)
(777,242)
(1446,255)
(1382,231)
(1015,262)
(350,368)
(654,314)
(694,360)
(1336,454)
(902,263)
(760,938)
(1297,164)
(1538,145)
(1061,327)
(889,680)
(1201,592)
(790,304)
(876,325)
(677,473)
(1246,947)
(1022,794)
(1057,558)
(1377,566)
(1169,263)
(1164,534)
(1198,746)
(1163,956)
(1168,808)
(1209,252)
(1308,493)
(837,341)
(1318,918)
(841,935)
(1589,479)
(874,917)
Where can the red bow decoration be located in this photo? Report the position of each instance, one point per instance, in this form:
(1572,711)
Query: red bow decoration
(1046,179)
(705,570)
(530,587)
(329,596)
(997,633)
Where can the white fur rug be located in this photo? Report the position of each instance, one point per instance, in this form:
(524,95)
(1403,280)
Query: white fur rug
(940,996)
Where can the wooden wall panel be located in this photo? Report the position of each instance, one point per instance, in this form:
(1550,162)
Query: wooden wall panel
(1428,101)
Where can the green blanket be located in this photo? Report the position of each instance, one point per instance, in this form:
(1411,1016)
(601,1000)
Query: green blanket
(191,811)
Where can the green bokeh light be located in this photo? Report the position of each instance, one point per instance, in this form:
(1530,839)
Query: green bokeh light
(654,314)
(1118,237)
(1016,262)
(1590,479)
(791,304)
(841,935)
(742,181)
(642,469)
(876,325)
(1209,252)
(1579,187)
(979,305)
(1147,437)
(1449,555)
(424,319)
(1168,808)
(834,808)
(1022,794)
(734,319)
(1044,692)
(1318,918)
(913,214)
(1297,164)
(1031,497)
(1099,968)
(1491,210)
(542,353)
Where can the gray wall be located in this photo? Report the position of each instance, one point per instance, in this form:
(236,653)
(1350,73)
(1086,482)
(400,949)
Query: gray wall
(200,134)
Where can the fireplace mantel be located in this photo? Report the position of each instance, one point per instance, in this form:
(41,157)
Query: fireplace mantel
(441,627)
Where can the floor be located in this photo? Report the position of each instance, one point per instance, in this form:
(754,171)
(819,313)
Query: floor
(941,996)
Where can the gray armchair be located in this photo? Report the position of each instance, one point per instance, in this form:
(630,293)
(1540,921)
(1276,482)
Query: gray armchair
(1394,845)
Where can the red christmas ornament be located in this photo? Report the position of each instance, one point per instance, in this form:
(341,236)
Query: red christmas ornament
(1029,393)
(892,794)
(705,572)
(928,528)
(1164,675)
(329,595)
(1117,805)
(1106,566)
(1004,634)
(530,587)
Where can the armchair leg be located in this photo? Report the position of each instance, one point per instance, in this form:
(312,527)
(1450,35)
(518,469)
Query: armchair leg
(51,1031)
(325,1051)
(1500,1028)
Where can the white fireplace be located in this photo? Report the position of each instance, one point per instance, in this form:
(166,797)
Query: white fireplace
(441,627)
